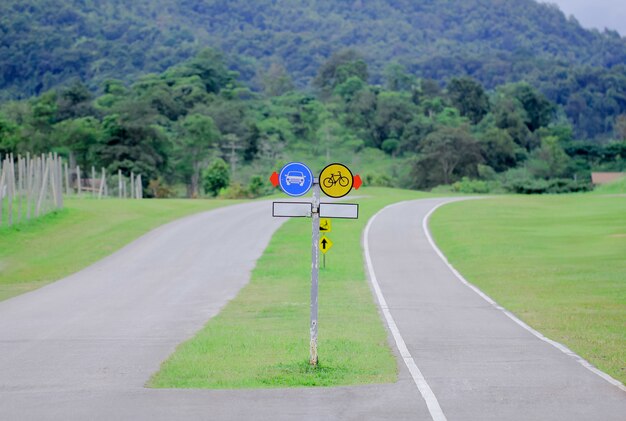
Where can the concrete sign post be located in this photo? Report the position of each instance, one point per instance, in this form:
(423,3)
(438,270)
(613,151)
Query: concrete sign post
(295,179)
(315,269)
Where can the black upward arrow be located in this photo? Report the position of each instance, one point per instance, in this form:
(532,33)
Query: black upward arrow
(324,244)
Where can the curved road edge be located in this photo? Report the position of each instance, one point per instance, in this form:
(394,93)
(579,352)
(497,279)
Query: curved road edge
(561,347)
(471,358)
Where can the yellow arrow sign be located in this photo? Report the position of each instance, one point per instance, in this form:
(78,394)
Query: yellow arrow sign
(325,244)
(325,225)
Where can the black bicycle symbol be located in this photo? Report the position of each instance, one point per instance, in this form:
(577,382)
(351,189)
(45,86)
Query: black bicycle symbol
(333,179)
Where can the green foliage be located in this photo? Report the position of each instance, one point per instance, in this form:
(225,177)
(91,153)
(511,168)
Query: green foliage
(415,132)
(446,155)
(215,177)
(466,185)
(498,149)
(234,191)
(549,160)
(469,97)
(340,67)
(279,45)
(194,146)
(521,181)
(258,187)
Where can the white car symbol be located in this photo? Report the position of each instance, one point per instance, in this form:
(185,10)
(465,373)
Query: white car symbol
(294,177)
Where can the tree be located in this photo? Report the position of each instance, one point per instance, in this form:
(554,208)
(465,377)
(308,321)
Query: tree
(549,160)
(80,136)
(75,101)
(276,81)
(339,68)
(132,142)
(539,110)
(397,78)
(469,97)
(8,138)
(197,142)
(414,132)
(510,116)
(215,177)
(498,149)
(348,89)
(446,155)
(209,66)
(393,112)
(620,127)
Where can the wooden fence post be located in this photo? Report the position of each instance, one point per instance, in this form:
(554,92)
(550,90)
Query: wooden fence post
(132,185)
(78,180)
(102,183)
(20,180)
(139,187)
(93,181)
(42,190)
(67,179)
(3,170)
(11,189)
(30,183)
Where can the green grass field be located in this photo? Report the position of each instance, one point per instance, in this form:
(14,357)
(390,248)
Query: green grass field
(557,262)
(261,338)
(36,253)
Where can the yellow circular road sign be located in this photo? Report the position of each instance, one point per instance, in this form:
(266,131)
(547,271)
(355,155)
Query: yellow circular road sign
(336,180)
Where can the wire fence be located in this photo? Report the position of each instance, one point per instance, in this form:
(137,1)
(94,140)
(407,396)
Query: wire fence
(34,186)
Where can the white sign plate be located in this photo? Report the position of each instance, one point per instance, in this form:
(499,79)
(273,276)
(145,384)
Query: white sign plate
(292,209)
(339,210)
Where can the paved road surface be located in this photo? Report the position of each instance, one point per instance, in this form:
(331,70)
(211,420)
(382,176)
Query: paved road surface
(478,362)
(83,347)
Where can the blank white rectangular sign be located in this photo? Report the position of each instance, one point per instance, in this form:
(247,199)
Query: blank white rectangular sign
(292,209)
(339,210)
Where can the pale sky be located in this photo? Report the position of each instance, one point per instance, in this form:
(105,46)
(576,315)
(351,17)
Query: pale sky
(596,13)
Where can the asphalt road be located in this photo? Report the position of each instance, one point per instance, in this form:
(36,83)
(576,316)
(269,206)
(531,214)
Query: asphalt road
(84,347)
(479,363)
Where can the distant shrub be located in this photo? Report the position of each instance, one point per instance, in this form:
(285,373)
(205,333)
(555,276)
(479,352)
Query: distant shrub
(257,187)
(160,190)
(540,186)
(378,180)
(473,186)
(234,191)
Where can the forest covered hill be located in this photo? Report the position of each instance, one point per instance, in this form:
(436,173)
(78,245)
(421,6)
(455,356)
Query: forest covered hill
(496,41)
(46,43)
(211,96)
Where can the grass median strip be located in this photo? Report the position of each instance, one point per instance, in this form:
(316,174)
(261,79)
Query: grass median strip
(36,253)
(261,338)
(558,262)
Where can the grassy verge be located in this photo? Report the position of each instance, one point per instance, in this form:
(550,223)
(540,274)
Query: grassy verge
(559,263)
(261,338)
(36,253)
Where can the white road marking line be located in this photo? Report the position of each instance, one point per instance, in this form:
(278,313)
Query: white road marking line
(431,400)
(510,315)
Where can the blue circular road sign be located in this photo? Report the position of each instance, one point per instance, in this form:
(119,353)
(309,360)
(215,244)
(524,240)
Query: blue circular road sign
(295,179)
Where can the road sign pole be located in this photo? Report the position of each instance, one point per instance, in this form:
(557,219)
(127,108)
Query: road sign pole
(296,179)
(315,267)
